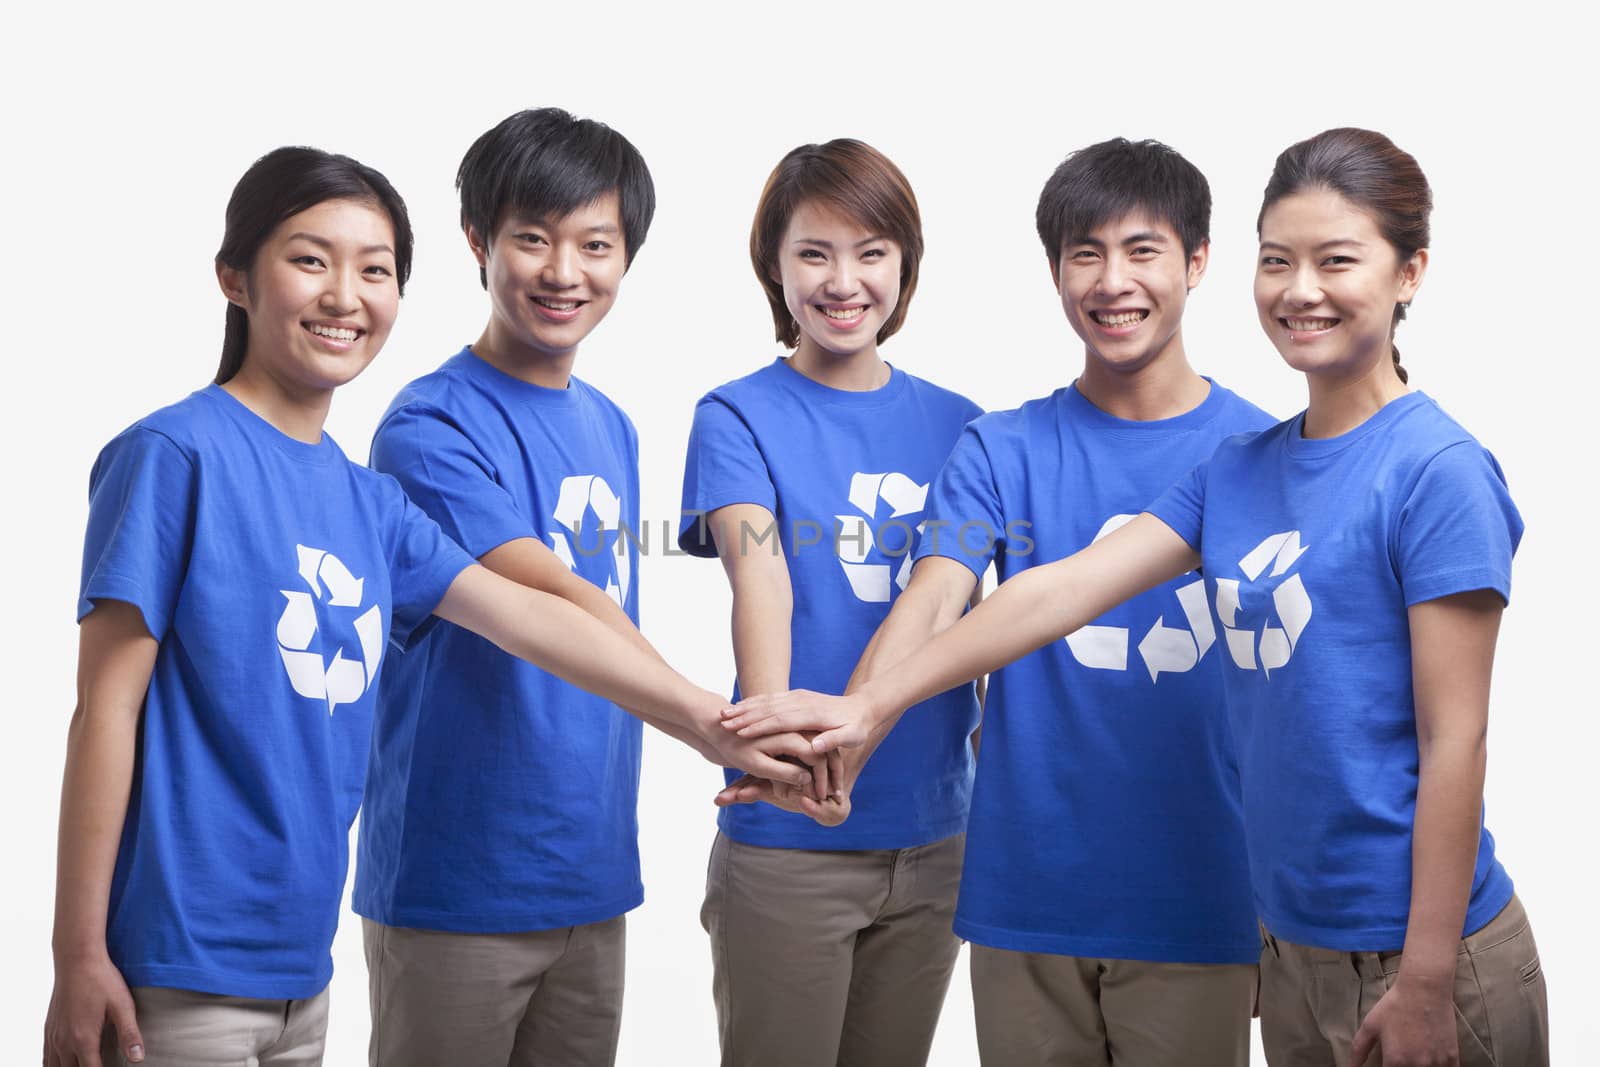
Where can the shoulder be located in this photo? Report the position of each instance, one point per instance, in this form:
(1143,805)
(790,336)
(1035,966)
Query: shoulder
(1019,423)
(602,406)
(185,429)
(1234,410)
(439,394)
(756,387)
(948,398)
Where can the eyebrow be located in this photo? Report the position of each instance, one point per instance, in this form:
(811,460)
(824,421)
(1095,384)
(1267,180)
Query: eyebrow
(1142,237)
(829,244)
(323,242)
(547,223)
(1325,244)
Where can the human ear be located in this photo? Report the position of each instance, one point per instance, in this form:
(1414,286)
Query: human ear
(1199,259)
(233,281)
(1411,272)
(1055,273)
(480,251)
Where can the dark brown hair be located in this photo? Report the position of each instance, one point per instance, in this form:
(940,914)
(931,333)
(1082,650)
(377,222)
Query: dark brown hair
(1365,168)
(857,181)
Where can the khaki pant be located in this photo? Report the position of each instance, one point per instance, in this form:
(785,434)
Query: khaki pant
(1313,999)
(545,997)
(1036,1009)
(830,958)
(182,1028)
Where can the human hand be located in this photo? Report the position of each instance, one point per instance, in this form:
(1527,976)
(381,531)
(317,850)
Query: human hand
(841,722)
(1413,1024)
(87,993)
(783,758)
(832,810)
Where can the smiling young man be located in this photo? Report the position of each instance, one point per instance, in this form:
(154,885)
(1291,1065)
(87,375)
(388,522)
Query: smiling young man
(1104,887)
(498,849)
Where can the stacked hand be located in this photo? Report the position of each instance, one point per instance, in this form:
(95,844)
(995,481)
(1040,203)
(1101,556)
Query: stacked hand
(827,725)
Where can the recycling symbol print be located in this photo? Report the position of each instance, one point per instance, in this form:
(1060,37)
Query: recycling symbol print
(586,509)
(1239,602)
(343,679)
(1163,648)
(861,536)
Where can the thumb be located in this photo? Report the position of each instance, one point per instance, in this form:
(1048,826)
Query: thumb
(1366,1041)
(126,1021)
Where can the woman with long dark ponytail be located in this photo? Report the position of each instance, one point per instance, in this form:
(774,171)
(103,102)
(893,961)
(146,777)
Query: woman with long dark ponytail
(1358,557)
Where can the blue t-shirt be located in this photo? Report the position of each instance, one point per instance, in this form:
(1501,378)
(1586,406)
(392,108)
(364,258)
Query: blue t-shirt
(272,572)
(501,798)
(1313,551)
(846,475)
(1105,816)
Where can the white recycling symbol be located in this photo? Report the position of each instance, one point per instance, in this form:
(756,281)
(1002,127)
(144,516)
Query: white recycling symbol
(1163,648)
(340,680)
(580,494)
(1293,603)
(855,543)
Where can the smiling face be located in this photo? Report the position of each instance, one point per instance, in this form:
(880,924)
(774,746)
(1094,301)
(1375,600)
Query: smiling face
(1123,288)
(840,282)
(321,297)
(1327,282)
(550,281)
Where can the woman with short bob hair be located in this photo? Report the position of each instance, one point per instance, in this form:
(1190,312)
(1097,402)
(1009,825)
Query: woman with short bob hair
(241,579)
(830,943)
(1358,557)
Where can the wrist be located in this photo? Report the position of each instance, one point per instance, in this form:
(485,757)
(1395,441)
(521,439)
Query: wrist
(74,951)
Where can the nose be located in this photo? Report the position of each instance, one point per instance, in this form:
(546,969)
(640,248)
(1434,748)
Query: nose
(1304,290)
(1114,278)
(339,294)
(842,279)
(561,269)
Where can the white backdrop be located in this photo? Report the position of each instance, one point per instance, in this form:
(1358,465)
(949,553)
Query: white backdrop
(127,127)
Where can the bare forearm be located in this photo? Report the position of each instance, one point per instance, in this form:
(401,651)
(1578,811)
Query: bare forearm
(553,634)
(94,806)
(1444,851)
(1032,609)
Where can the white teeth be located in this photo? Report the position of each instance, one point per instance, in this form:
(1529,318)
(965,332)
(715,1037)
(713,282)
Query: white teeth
(1121,318)
(557,305)
(844,313)
(1311,325)
(335,333)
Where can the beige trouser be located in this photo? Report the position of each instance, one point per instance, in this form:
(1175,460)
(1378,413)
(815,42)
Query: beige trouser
(1036,1009)
(1313,999)
(537,999)
(182,1028)
(830,958)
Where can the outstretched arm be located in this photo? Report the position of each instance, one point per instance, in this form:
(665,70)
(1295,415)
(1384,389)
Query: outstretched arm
(1027,612)
(1452,653)
(746,536)
(551,633)
(939,589)
(530,562)
(115,657)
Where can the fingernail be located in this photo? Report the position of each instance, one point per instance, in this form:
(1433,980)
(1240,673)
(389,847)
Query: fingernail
(136,1053)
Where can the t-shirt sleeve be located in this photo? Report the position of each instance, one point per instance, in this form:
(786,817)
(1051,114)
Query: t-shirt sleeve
(1183,506)
(1458,528)
(724,466)
(964,520)
(141,527)
(422,564)
(449,478)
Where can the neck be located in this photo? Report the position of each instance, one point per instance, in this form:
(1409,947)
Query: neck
(1338,405)
(1164,388)
(859,372)
(551,370)
(295,412)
